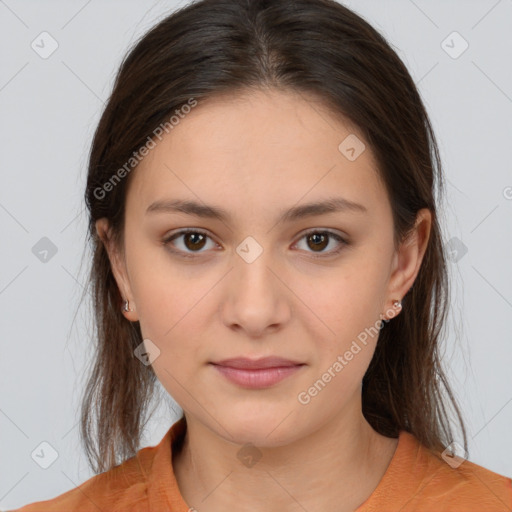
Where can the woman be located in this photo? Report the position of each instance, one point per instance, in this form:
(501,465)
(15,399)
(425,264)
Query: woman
(267,245)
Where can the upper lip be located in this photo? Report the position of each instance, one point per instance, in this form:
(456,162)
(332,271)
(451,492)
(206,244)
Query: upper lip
(254,364)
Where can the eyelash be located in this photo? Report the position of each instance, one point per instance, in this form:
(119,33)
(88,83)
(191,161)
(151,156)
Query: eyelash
(184,254)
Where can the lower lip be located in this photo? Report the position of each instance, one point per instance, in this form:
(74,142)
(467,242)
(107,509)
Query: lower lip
(257,379)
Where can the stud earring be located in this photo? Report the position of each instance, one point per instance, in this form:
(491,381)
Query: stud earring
(397,304)
(126,306)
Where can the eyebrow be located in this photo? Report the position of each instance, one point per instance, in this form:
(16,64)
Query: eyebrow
(330,205)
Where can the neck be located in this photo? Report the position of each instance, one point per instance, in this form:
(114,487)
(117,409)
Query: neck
(335,467)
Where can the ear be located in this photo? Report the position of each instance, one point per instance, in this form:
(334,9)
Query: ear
(408,258)
(118,266)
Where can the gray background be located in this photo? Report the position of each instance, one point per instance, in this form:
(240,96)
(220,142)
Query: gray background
(49,109)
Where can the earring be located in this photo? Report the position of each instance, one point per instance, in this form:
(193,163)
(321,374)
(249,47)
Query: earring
(126,306)
(397,304)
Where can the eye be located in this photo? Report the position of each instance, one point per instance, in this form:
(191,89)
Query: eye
(193,241)
(319,240)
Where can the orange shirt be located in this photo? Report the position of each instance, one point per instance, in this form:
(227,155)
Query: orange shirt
(415,480)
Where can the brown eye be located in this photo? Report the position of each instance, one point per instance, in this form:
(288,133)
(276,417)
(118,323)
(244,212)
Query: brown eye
(187,242)
(317,241)
(194,241)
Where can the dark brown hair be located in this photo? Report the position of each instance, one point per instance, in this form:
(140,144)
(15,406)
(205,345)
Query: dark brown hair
(313,47)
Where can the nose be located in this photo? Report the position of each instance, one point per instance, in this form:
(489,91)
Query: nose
(256,300)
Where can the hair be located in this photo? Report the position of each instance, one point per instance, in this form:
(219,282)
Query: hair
(314,47)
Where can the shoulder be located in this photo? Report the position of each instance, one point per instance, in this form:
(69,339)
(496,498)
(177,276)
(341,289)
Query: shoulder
(113,490)
(421,479)
(468,487)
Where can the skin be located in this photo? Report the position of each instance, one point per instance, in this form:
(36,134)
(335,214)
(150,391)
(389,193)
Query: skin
(256,155)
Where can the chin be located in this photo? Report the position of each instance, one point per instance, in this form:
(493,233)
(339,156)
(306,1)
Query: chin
(266,429)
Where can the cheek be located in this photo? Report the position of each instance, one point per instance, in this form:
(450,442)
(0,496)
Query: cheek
(169,320)
(343,340)
(165,293)
(346,304)
(172,304)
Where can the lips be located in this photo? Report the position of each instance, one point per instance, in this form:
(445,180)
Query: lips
(257,373)
(244,363)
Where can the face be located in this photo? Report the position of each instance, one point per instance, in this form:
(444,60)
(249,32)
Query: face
(253,281)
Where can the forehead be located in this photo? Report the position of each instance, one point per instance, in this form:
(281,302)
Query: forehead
(256,149)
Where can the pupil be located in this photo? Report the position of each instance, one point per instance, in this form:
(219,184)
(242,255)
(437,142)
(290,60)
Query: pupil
(318,238)
(200,238)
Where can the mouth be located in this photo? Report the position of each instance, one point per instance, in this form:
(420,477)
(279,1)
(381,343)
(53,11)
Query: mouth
(245,363)
(257,373)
